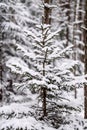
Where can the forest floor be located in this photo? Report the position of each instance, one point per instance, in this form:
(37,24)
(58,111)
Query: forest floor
(19,114)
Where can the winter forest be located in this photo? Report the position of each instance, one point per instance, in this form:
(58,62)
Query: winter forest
(43,64)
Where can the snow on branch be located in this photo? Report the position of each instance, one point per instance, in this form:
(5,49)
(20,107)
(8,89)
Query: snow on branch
(36,38)
(56,55)
(43,26)
(20,67)
(25,52)
(77,80)
(84,28)
(53,34)
(50,6)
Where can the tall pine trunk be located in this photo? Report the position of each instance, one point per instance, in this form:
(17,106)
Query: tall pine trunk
(68,21)
(1,53)
(75,28)
(85,41)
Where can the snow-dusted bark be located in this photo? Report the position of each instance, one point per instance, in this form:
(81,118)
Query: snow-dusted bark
(85,41)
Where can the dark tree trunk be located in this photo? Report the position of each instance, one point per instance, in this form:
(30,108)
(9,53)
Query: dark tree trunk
(10,85)
(85,41)
(46,12)
(1,66)
(47,20)
(75,44)
(0,94)
(68,21)
(50,12)
(1,70)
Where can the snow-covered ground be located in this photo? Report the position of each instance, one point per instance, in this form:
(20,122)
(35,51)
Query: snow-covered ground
(19,114)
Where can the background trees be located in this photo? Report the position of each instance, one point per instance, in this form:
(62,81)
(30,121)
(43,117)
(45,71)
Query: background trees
(41,46)
(85,41)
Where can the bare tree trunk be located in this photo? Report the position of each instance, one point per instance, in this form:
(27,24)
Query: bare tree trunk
(68,21)
(46,12)
(75,28)
(81,17)
(85,41)
(50,12)
(1,70)
(1,66)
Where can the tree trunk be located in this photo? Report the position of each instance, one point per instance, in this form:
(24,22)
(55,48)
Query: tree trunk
(68,21)
(75,28)
(1,53)
(85,41)
(44,93)
(46,12)
(47,20)
(50,12)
